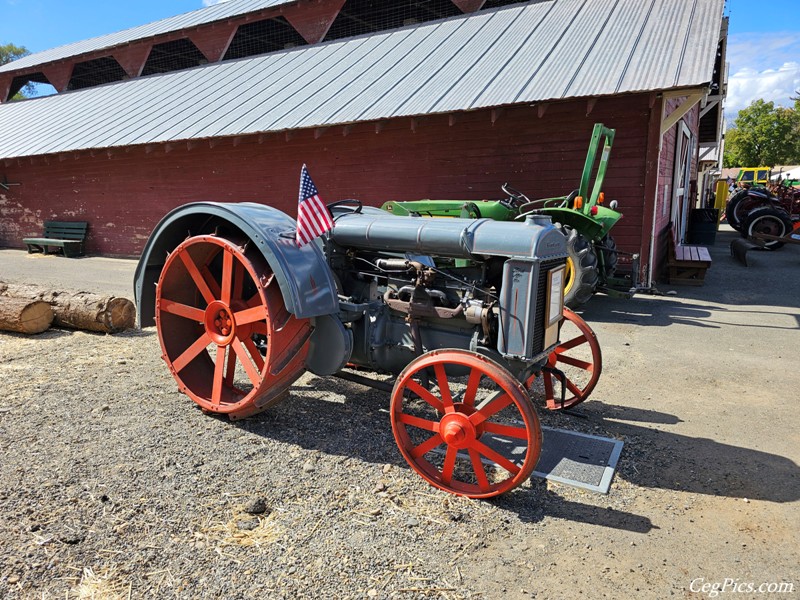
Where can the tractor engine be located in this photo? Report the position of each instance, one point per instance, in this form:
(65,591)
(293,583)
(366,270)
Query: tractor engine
(408,285)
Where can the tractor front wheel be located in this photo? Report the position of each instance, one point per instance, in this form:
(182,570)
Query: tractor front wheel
(473,431)
(582,271)
(771,221)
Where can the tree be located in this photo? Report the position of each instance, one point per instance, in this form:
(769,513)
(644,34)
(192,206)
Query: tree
(764,135)
(9,52)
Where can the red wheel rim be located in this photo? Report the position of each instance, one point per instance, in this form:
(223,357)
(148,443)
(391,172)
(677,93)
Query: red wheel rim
(579,358)
(213,296)
(474,433)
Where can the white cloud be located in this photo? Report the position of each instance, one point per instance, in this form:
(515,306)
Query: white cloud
(213,2)
(777,85)
(762,65)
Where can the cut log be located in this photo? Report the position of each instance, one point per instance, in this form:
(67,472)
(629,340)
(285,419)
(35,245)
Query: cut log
(25,316)
(79,310)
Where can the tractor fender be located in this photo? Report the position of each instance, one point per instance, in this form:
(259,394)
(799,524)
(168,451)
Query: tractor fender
(593,228)
(305,280)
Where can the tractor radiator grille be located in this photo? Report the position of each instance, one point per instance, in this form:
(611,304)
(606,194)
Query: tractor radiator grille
(541,299)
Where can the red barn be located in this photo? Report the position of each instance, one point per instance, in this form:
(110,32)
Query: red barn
(383,100)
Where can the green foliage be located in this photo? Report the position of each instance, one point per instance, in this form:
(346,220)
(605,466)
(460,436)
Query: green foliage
(764,135)
(9,52)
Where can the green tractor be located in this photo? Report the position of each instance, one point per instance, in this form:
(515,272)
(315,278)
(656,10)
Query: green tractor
(583,217)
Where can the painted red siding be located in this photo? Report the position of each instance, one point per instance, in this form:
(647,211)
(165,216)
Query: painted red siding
(124,192)
(665,179)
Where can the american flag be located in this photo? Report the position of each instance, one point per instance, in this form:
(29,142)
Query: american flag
(313,218)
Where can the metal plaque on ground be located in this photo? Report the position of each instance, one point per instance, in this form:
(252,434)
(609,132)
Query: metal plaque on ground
(578,459)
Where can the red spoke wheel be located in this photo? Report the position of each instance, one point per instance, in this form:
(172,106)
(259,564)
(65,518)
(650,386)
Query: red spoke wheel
(578,356)
(213,299)
(474,432)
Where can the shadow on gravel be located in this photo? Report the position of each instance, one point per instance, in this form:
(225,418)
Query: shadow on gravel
(639,415)
(536,504)
(648,311)
(662,459)
(358,426)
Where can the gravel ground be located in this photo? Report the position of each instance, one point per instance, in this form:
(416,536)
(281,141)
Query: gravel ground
(113,485)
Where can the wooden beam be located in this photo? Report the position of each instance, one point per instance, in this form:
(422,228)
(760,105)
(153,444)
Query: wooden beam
(650,207)
(691,98)
(468,6)
(132,58)
(312,20)
(59,75)
(213,42)
(5,86)
(709,105)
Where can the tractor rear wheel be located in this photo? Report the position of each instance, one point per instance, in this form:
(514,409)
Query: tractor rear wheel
(737,208)
(213,296)
(771,221)
(582,271)
(473,432)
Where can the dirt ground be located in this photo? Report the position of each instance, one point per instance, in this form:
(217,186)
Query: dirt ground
(113,484)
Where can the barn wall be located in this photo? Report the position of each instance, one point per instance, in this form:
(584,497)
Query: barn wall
(123,193)
(665,182)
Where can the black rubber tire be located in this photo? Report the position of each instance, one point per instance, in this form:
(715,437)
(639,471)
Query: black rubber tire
(732,215)
(768,220)
(610,256)
(585,274)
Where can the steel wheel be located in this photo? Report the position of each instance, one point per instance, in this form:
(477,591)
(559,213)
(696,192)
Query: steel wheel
(474,433)
(212,298)
(579,358)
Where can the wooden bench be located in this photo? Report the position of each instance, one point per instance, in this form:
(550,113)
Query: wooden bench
(687,264)
(69,236)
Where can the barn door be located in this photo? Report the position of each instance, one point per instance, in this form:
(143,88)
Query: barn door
(682,170)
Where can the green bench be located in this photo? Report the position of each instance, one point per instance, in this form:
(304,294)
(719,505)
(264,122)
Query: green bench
(67,235)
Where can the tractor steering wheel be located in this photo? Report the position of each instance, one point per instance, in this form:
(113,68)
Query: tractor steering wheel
(352,204)
(516,198)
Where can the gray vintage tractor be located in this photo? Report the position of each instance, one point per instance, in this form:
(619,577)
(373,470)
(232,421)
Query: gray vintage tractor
(242,312)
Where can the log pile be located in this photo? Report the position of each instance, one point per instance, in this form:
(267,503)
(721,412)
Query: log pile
(74,310)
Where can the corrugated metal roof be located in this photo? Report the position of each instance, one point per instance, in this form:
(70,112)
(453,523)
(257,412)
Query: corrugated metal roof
(541,51)
(201,16)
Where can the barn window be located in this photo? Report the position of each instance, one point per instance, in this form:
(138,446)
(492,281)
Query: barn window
(173,56)
(95,72)
(32,85)
(262,37)
(359,17)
